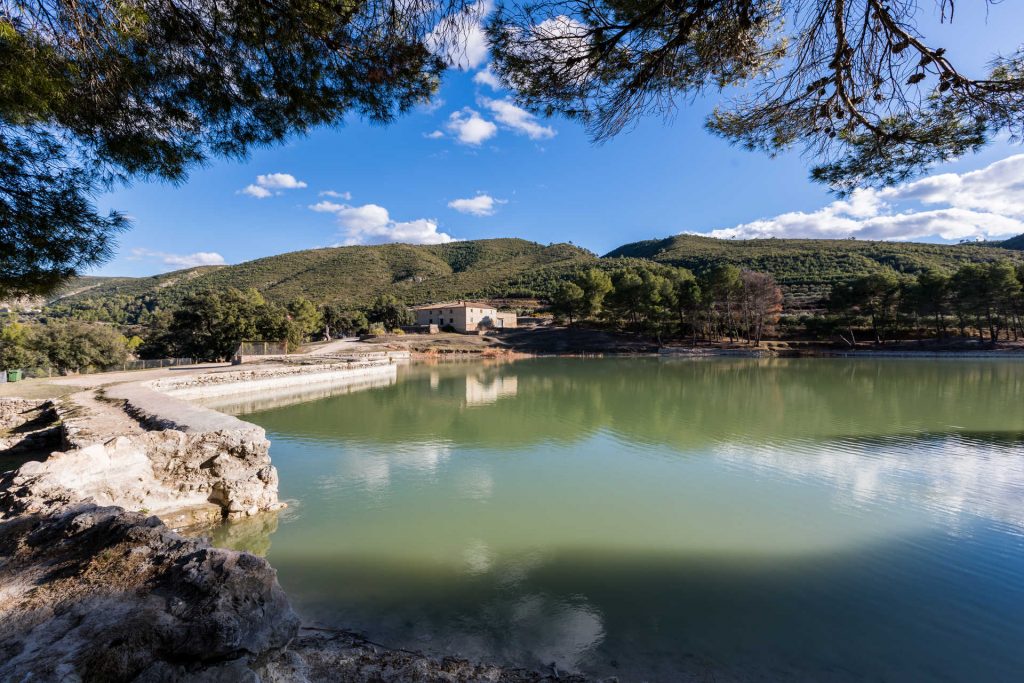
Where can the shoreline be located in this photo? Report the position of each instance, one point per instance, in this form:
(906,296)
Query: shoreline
(593,342)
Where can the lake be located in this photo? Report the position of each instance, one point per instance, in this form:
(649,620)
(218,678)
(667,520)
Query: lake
(664,520)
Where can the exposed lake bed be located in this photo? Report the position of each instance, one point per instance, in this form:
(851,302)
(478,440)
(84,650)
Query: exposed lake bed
(819,519)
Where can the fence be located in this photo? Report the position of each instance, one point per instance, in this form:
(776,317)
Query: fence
(119,367)
(262,348)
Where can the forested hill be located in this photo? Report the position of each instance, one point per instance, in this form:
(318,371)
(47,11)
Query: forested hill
(355,275)
(510,268)
(806,268)
(1014,243)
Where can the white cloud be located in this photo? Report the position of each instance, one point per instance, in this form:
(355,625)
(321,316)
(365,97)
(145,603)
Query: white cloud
(434,135)
(279,181)
(199,258)
(487,77)
(337,195)
(462,41)
(256,191)
(983,204)
(272,183)
(326,207)
(432,105)
(997,188)
(372,224)
(470,128)
(475,50)
(518,119)
(480,205)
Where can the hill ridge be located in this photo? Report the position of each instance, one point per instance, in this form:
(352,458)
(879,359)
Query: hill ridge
(514,268)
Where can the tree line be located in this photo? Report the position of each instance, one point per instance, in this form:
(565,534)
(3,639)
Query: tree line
(982,299)
(210,325)
(724,302)
(65,345)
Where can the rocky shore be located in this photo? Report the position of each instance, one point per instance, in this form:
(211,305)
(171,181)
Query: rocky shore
(96,585)
(213,466)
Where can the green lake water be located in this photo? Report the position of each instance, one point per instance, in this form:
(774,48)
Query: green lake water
(665,520)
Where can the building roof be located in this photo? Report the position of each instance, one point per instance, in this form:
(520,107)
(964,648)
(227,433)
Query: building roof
(453,304)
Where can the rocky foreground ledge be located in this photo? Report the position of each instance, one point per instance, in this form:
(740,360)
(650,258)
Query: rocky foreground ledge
(94,587)
(197,467)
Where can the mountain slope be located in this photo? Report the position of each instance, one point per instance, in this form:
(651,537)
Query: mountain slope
(353,276)
(1013,243)
(806,268)
(512,268)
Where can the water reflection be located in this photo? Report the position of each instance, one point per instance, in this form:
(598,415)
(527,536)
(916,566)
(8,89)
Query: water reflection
(735,519)
(251,534)
(563,632)
(241,402)
(684,404)
(373,469)
(953,476)
(484,390)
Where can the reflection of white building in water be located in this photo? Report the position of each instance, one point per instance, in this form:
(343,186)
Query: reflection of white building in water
(481,392)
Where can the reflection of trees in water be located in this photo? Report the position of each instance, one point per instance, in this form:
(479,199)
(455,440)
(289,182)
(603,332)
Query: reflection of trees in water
(251,534)
(682,403)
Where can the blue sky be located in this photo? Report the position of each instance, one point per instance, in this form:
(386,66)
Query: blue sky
(543,180)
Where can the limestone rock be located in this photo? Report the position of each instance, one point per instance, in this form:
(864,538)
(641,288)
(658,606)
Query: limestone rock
(227,467)
(98,593)
(112,460)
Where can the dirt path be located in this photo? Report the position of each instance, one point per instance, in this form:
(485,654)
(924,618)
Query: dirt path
(56,387)
(102,417)
(338,347)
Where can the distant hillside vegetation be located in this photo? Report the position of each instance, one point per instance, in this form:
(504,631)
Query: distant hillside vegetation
(353,276)
(509,269)
(1013,243)
(806,268)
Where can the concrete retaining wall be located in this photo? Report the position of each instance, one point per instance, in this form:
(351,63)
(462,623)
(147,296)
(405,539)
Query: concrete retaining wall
(269,379)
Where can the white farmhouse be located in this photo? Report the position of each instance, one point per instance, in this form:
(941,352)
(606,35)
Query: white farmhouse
(464,316)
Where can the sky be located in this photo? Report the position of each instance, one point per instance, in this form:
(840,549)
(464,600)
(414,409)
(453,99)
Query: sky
(473,165)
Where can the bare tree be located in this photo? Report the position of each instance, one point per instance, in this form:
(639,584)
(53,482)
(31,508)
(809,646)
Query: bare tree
(761,304)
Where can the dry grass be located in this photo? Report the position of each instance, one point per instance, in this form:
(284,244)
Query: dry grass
(35,388)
